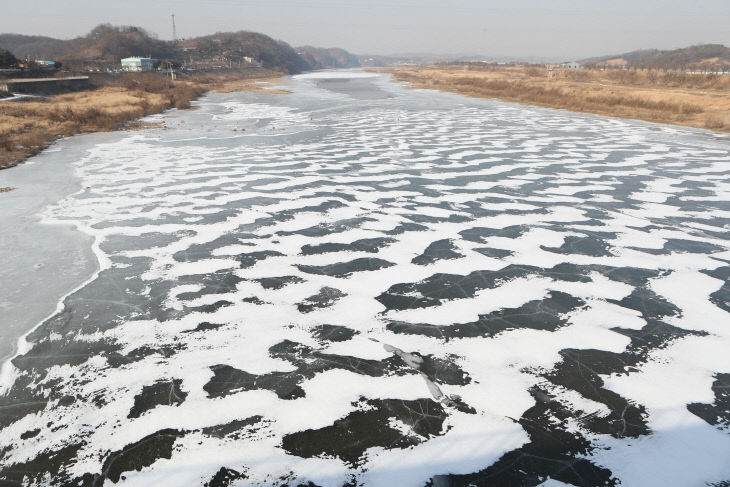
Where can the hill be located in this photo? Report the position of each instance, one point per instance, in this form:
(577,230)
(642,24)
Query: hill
(233,47)
(700,56)
(7,60)
(106,44)
(322,58)
(33,46)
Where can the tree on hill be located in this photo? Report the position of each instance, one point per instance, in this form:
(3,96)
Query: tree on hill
(235,46)
(7,60)
(112,43)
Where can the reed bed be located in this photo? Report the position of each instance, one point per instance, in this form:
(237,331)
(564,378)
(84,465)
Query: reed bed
(27,127)
(701,101)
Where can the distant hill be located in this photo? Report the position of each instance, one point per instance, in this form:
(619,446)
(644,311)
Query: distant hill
(7,60)
(32,46)
(321,58)
(235,46)
(706,55)
(104,43)
(107,44)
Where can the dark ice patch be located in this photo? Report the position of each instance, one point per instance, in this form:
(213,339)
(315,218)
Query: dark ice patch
(210,308)
(440,287)
(225,477)
(542,314)
(655,335)
(221,282)
(140,454)
(350,437)
(278,282)
(437,288)
(327,296)
(478,234)
(64,351)
(333,333)
(576,372)
(553,452)
(439,250)
(23,398)
(116,295)
(633,276)
(346,269)
(307,361)
(328,228)
(139,353)
(371,245)
(121,243)
(205,326)
(691,246)
(590,245)
(233,430)
(161,393)
(29,434)
(48,464)
(493,252)
(683,246)
(721,297)
(649,304)
(203,251)
(717,413)
(406,227)
(251,258)
(320,208)
(419,218)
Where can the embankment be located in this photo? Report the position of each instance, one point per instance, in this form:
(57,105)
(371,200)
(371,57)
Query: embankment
(701,101)
(29,126)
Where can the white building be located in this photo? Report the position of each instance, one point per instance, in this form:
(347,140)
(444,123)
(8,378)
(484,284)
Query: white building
(138,64)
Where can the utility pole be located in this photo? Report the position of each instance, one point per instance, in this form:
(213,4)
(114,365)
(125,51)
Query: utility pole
(174,31)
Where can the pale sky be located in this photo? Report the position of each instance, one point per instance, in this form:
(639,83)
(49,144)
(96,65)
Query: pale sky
(567,29)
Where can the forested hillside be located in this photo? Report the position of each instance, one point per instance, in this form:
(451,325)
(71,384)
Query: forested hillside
(106,44)
(706,55)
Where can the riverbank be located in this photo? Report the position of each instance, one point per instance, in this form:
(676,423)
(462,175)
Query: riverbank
(700,101)
(29,126)
(43,262)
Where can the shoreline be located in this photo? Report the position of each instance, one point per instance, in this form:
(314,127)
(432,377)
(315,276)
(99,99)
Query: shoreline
(115,103)
(34,184)
(699,102)
(62,266)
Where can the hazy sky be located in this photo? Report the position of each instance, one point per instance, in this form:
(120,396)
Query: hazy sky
(565,29)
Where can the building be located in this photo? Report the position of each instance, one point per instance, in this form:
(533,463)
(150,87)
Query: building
(43,64)
(138,64)
(572,65)
(251,61)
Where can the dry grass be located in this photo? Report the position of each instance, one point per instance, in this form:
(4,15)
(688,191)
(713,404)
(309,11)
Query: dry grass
(30,126)
(701,101)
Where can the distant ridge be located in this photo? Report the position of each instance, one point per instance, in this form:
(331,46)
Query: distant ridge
(321,58)
(700,56)
(107,44)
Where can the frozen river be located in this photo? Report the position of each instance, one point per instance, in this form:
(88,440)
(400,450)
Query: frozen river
(360,284)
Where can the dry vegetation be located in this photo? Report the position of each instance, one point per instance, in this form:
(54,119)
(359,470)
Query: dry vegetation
(701,101)
(28,127)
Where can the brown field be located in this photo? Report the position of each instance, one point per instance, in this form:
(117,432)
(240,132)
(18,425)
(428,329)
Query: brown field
(701,101)
(27,127)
